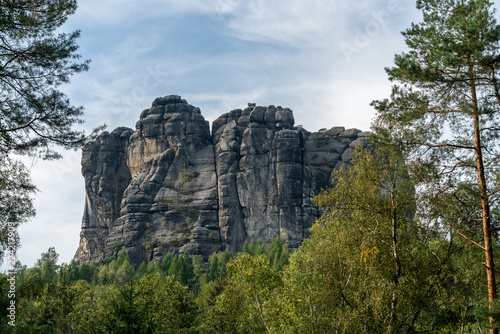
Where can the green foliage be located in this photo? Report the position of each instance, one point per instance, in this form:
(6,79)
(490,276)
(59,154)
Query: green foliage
(141,271)
(35,62)
(443,114)
(125,274)
(48,265)
(122,257)
(323,289)
(16,206)
(249,247)
(181,267)
(371,256)
(186,274)
(277,251)
(113,299)
(105,275)
(218,262)
(168,304)
(370,266)
(446,105)
(430,114)
(47,312)
(85,272)
(43,296)
(151,304)
(34,114)
(246,304)
(175,267)
(199,267)
(259,248)
(72,272)
(215,270)
(278,256)
(164,265)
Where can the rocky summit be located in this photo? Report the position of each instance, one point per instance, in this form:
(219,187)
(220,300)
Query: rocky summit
(172,185)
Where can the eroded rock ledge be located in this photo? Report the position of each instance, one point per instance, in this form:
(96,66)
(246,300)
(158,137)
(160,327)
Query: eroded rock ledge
(173,186)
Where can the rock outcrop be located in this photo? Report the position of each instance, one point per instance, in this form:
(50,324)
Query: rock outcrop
(172,186)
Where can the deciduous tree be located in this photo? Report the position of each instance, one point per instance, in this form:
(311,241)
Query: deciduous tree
(369,266)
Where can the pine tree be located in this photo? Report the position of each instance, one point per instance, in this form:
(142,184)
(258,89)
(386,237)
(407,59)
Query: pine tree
(165,263)
(35,115)
(214,272)
(175,267)
(259,248)
(141,271)
(123,257)
(444,113)
(186,274)
(125,273)
(249,247)
(34,62)
(275,255)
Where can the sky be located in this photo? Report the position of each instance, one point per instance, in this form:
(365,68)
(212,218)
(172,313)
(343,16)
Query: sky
(324,59)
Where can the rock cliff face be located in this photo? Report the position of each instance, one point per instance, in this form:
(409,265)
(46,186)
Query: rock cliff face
(172,186)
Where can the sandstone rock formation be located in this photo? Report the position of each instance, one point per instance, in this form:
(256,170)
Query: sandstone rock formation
(172,186)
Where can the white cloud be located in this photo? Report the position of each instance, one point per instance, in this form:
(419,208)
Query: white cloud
(322,58)
(303,44)
(119,12)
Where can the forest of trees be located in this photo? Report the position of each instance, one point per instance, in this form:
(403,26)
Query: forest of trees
(377,261)
(406,242)
(373,264)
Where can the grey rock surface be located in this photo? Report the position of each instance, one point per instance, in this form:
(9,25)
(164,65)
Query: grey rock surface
(104,167)
(331,149)
(264,178)
(172,186)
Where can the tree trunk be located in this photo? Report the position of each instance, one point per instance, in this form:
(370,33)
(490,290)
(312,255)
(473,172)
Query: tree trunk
(397,262)
(485,205)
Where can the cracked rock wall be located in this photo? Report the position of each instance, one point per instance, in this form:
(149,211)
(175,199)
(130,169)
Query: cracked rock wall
(172,186)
